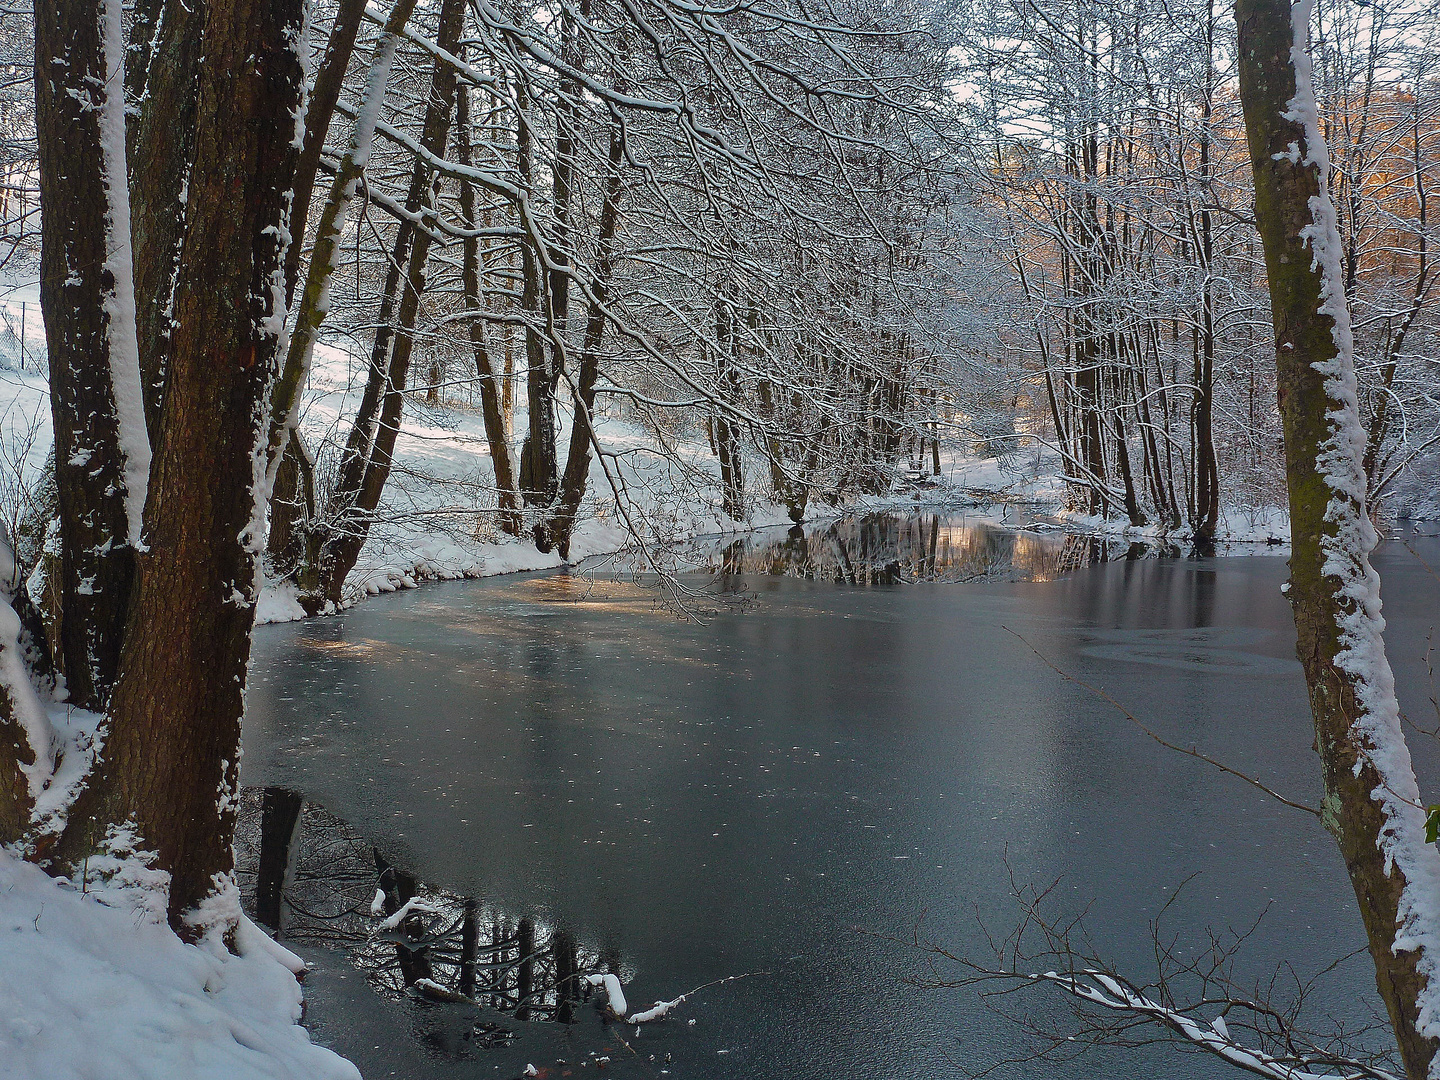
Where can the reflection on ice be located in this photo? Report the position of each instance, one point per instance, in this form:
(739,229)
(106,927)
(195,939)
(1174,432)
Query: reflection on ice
(889,549)
(312,879)
(737,793)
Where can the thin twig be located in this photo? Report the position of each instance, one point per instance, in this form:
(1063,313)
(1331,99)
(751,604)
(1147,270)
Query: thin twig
(1191,752)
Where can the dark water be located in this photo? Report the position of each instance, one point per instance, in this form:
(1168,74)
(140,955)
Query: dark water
(789,787)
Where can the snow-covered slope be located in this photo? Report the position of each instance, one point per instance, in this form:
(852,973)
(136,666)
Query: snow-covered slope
(93,992)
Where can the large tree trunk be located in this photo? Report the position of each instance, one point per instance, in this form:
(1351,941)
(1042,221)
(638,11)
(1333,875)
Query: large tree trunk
(1372,803)
(102,453)
(167,790)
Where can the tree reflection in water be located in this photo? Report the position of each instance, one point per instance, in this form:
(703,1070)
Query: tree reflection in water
(889,549)
(310,878)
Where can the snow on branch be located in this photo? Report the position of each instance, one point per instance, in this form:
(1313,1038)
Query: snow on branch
(1195,997)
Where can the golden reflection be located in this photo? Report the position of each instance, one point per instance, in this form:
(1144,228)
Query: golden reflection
(354,648)
(888,549)
(580,591)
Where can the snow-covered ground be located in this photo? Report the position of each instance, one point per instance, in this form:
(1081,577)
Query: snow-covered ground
(436,519)
(1261,525)
(93,991)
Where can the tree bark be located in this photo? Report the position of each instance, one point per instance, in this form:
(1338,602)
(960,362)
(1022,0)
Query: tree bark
(162,143)
(538,461)
(17,754)
(556,530)
(85,324)
(732,470)
(1207,465)
(319,111)
(171,766)
(294,545)
(1371,803)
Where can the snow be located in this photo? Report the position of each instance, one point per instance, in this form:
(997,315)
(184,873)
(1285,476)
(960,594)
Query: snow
(1347,559)
(90,990)
(62,739)
(658,1011)
(29,712)
(412,906)
(76,742)
(1265,525)
(1101,989)
(119,305)
(434,523)
(279,603)
(613,991)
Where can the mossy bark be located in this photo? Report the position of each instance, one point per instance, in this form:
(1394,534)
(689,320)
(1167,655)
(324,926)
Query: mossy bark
(1287,185)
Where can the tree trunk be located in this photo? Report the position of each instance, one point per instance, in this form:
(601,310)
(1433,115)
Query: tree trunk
(491,408)
(1371,802)
(167,791)
(732,474)
(18,757)
(555,532)
(287,460)
(86,294)
(538,462)
(162,144)
(319,111)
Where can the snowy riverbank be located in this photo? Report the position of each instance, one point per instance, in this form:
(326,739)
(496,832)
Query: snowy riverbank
(90,990)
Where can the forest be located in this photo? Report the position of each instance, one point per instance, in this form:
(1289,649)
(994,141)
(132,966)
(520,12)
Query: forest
(303,301)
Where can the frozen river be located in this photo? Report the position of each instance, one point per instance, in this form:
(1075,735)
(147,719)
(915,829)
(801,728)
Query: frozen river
(788,787)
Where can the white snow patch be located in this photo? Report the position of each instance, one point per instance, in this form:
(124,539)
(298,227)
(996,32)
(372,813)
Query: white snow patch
(658,1011)
(415,905)
(613,991)
(77,743)
(28,710)
(119,305)
(122,875)
(86,991)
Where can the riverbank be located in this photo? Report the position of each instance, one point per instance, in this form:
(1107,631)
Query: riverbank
(90,988)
